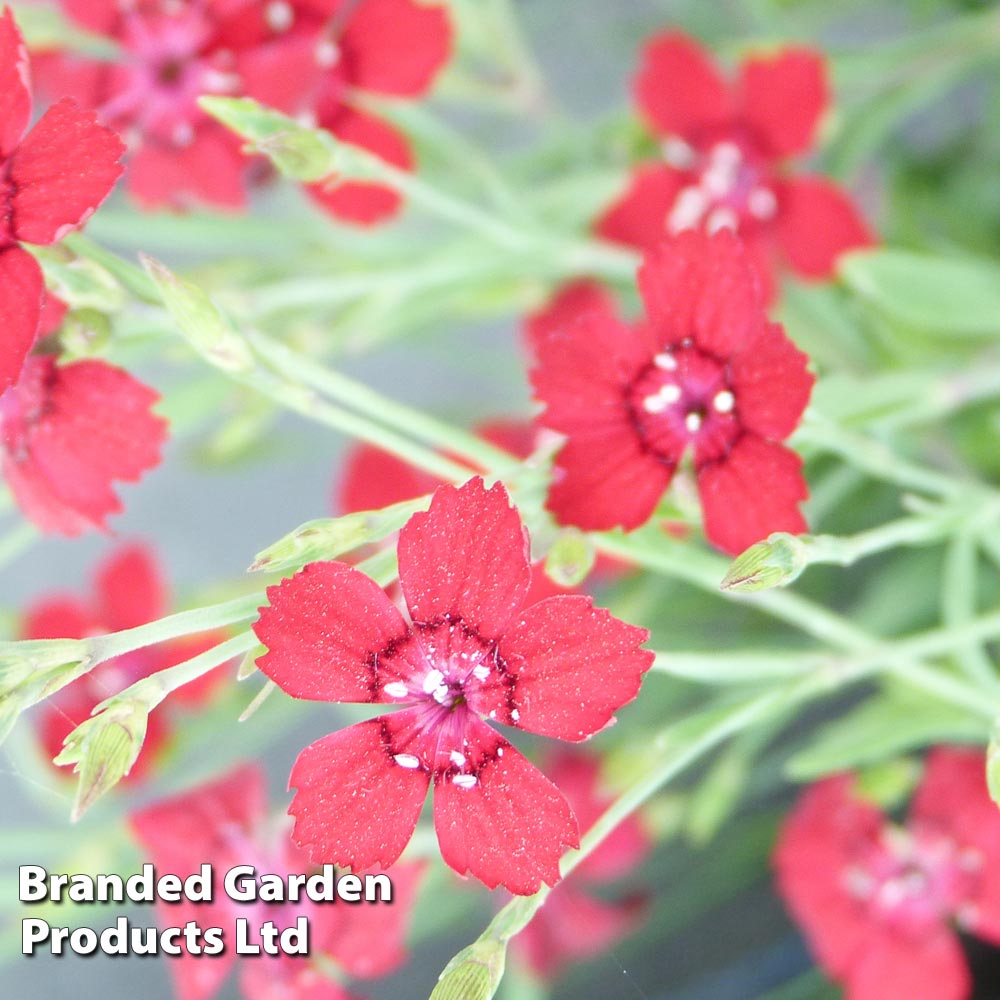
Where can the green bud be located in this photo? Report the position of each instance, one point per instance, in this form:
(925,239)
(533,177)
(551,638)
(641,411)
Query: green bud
(474,973)
(775,562)
(84,333)
(103,750)
(570,559)
(198,318)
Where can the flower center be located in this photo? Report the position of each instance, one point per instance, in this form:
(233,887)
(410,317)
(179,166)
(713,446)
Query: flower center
(683,398)
(728,188)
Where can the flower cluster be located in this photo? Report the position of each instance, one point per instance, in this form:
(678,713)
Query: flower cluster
(303,57)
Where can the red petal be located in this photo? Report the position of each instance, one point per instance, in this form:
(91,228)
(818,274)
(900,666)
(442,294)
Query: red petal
(604,478)
(783,98)
(89,82)
(68,433)
(59,617)
(15,83)
(753,491)
(21,291)
(284,73)
(678,89)
(323,629)
(518,437)
(66,166)
(354,805)
(397,47)
(210,170)
(356,202)
(372,479)
(702,287)
(574,666)
(817,222)
(639,217)
(566,307)
(53,313)
(292,978)
(829,830)
(131,589)
(466,556)
(922,969)
(369,941)
(771,383)
(511,827)
(101,16)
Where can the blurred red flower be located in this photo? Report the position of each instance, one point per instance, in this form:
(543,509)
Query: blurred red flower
(470,652)
(878,902)
(724,152)
(704,371)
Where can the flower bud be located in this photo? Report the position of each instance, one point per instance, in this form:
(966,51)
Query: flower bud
(775,562)
(474,973)
(570,559)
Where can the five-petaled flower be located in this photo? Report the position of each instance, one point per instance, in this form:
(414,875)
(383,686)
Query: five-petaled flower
(470,652)
(724,149)
(128,591)
(67,432)
(304,57)
(225,823)
(705,371)
(575,924)
(51,181)
(878,902)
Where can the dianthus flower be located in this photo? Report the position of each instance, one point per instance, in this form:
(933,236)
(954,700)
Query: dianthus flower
(880,903)
(67,432)
(724,152)
(574,924)
(225,823)
(128,590)
(51,181)
(300,56)
(470,652)
(704,371)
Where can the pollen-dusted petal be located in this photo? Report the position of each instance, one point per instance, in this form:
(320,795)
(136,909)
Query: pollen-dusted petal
(638,218)
(65,167)
(578,298)
(467,557)
(323,628)
(889,965)
(678,89)
(827,833)
(755,490)
(817,221)
(15,95)
(605,478)
(131,590)
(511,825)
(770,378)
(371,479)
(21,290)
(354,805)
(68,432)
(397,47)
(573,666)
(782,99)
(702,288)
(361,202)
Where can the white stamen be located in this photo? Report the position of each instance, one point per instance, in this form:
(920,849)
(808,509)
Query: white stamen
(279,15)
(432,681)
(724,401)
(671,393)
(499,751)
(722,218)
(654,403)
(514,715)
(407,760)
(465,780)
(678,153)
(690,206)
(481,672)
(762,203)
(396,689)
(693,422)
(457,758)
(666,361)
(327,54)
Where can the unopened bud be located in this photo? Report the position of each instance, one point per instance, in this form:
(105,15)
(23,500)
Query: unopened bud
(775,562)
(474,973)
(570,559)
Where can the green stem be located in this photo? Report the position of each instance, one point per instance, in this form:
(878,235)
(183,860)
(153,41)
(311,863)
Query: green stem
(958,606)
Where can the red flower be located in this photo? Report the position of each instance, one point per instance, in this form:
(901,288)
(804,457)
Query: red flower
(51,181)
(67,432)
(574,924)
(724,150)
(705,371)
(471,651)
(300,56)
(877,901)
(225,823)
(128,591)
